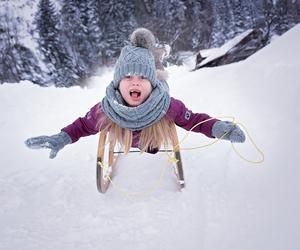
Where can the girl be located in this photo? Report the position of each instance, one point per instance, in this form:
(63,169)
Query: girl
(137,109)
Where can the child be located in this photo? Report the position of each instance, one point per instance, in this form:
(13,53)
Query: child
(137,109)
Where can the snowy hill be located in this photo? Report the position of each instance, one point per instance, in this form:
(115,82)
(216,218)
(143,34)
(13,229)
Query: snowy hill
(228,204)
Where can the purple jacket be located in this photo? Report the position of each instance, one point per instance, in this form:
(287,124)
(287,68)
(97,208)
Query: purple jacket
(177,113)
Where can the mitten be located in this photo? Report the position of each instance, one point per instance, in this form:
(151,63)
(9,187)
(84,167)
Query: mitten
(54,142)
(229,131)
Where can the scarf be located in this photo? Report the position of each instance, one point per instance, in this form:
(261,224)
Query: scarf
(139,117)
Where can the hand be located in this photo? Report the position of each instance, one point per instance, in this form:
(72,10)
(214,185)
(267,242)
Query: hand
(228,131)
(54,142)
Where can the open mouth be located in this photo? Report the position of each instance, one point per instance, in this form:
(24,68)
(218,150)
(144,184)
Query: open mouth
(135,93)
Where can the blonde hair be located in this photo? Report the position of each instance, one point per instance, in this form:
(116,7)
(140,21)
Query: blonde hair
(152,137)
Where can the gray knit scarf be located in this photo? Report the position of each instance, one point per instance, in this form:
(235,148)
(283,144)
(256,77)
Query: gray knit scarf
(142,116)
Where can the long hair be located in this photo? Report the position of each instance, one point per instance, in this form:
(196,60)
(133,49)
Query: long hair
(152,137)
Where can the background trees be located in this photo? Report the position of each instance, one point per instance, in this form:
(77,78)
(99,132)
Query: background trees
(76,37)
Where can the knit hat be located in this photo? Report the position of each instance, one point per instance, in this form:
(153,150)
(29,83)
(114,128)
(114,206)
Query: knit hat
(137,59)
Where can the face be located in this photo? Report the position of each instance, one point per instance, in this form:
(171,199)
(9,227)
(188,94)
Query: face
(135,89)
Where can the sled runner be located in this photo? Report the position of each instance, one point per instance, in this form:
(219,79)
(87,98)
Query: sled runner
(107,157)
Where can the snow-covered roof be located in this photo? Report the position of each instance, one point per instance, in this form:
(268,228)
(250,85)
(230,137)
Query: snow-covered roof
(215,53)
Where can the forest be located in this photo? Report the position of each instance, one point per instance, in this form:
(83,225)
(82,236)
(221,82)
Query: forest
(64,42)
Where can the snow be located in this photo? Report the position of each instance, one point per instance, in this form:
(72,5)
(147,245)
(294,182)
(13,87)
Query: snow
(228,204)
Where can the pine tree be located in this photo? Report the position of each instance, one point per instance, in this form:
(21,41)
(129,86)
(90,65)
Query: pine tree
(95,32)
(8,60)
(16,61)
(197,24)
(169,21)
(286,13)
(118,22)
(50,41)
(74,36)
(270,20)
(223,26)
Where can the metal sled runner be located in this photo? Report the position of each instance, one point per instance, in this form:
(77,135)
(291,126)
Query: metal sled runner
(107,159)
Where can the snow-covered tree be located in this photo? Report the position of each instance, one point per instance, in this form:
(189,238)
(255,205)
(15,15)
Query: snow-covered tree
(95,32)
(223,25)
(198,22)
(8,60)
(56,56)
(169,21)
(73,35)
(286,13)
(117,23)
(17,62)
(241,14)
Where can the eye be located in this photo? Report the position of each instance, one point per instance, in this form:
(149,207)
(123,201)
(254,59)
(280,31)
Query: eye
(128,77)
(143,77)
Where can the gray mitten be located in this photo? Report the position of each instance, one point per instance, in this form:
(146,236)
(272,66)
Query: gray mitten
(54,142)
(232,131)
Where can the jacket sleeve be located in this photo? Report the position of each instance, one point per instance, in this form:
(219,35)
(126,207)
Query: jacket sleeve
(186,119)
(85,126)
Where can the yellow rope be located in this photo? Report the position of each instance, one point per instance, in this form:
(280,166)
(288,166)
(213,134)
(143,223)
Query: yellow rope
(253,143)
(218,139)
(173,160)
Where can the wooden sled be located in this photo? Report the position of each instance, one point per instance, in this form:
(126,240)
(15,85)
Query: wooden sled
(107,159)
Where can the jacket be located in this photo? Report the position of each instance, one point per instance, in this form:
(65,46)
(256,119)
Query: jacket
(177,112)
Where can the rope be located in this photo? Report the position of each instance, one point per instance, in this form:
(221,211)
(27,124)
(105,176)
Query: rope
(253,143)
(218,139)
(172,160)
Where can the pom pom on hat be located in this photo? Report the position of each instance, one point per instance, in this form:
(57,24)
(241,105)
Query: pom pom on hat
(137,58)
(142,37)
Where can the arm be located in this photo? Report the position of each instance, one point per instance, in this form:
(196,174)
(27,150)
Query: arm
(185,118)
(85,126)
(213,128)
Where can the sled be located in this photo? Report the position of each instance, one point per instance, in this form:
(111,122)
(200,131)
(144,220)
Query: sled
(107,157)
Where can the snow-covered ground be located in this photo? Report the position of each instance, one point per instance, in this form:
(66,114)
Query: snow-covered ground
(228,204)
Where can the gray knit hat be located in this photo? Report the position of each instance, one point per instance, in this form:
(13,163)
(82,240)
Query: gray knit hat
(137,59)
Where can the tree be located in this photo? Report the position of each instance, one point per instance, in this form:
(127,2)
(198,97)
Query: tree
(223,25)
(286,15)
(9,71)
(95,32)
(197,25)
(117,23)
(50,40)
(169,21)
(73,36)
(16,61)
